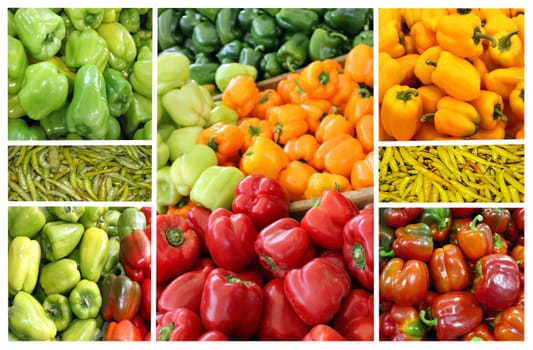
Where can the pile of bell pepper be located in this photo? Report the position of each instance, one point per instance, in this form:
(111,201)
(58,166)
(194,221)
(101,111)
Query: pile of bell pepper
(79,273)
(451,74)
(255,272)
(79,73)
(451,274)
(271,41)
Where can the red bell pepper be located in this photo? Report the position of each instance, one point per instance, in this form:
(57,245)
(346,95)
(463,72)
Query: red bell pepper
(316,290)
(123,330)
(513,232)
(398,217)
(476,241)
(448,269)
(251,274)
(361,329)
(404,282)
(401,323)
(279,321)
(439,220)
(198,217)
(323,332)
(413,241)
(121,297)
(497,281)
(136,255)
(147,211)
(231,239)
(518,216)
(262,198)
(358,304)
(142,325)
(509,324)
(453,314)
(231,305)
(146,299)
(179,324)
(500,245)
(325,221)
(463,212)
(358,248)
(480,333)
(496,218)
(458,225)
(283,245)
(213,336)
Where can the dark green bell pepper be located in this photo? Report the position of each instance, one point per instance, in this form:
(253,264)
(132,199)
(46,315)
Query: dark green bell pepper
(227,25)
(17,61)
(67,213)
(141,77)
(81,330)
(85,299)
(270,65)
(54,125)
(57,307)
(168,30)
(188,21)
(59,238)
(93,249)
(59,276)
(88,112)
(19,130)
(43,90)
(230,51)
(203,73)
(130,219)
(293,53)
(41,30)
(25,221)
(324,44)
(245,18)
(349,21)
(118,91)
(28,320)
(205,38)
(140,112)
(251,57)
(130,18)
(265,32)
(365,37)
(142,38)
(122,48)
(23,263)
(297,20)
(85,47)
(209,13)
(85,18)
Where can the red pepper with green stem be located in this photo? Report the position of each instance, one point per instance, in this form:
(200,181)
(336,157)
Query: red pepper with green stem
(404,282)
(401,323)
(136,255)
(398,217)
(477,241)
(496,218)
(480,333)
(448,269)
(439,220)
(358,248)
(413,241)
(179,324)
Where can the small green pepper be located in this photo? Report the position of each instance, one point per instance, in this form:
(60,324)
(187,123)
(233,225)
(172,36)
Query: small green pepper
(59,276)
(25,311)
(228,71)
(140,112)
(365,37)
(349,21)
(57,308)
(188,167)
(203,73)
(222,113)
(188,105)
(188,21)
(324,44)
(59,238)
(112,255)
(92,215)
(246,17)
(109,222)
(209,13)
(265,32)
(14,109)
(181,140)
(85,299)
(167,194)
(172,71)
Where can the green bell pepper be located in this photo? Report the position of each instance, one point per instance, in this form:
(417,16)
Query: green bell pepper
(270,65)
(81,330)
(227,25)
(25,221)
(93,249)
(43,90)
(265,32)
(85,18)
(181,140)
(163,152)
(203,73)
(324,44)
(144,133)
(19,130)
(228,71)
(172,71)
(114,131)
(143,38)
(209,13)
(222,113)
(66,213)
(130,18)
(167,193)
(118,91)
(92,216)
(140,112)
(188,21)
(205,38)
(85,299)
(129,220)
(251,57)
(41,30)
(215,188)
(14,109)
(188,105)
(293,53)
(28,320)
(17,61)
(349,21)
(122,49)
(11,27)
(62,68)
(23,263)
(365,37)
(245,18)
(109,222)
(188,167)
(111,14)
(112,255)
(168,32)
(86,47)
(57,307)
(54,125)
(297,20)
(230,51)
(88,112)
(141,77)
(59,276)
(59,238)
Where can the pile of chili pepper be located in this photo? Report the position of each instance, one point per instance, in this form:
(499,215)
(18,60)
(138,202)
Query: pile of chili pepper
(79,273)
(482,173)
(451,73)
(451,273)
(80,173)
(255,272)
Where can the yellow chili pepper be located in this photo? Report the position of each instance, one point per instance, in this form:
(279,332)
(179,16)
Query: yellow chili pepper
(391,39)
(508,52)
(423,70)
(462,35)
(400,113)
(456,76)
(516,100)
(454,117)
(503,80)
(390,73)
(264,157)
(319,182)
(490,108)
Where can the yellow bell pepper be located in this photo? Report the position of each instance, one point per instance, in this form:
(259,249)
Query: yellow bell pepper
(391,39)
(319,182)
(264,157)
(503,80)
(411,15)
(516,100)
(390,14)
(431,17)
(400,113)
(519,20)
(490,108)
(454,117)
(390,73)
(423,70)
(499,22)
(508,52)
(423,37)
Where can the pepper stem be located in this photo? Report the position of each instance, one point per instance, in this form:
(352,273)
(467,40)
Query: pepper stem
(364,92)
(498,113)
(425,117)
(431,322)
(504,42)
(478,35)
(174,236)
(323,78)
(405,95)
(477,219)
(431,63)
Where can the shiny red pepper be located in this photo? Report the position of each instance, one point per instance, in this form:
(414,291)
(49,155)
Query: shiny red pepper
(142,325)
(323,332)
(496,218)
(477,241)
(448,269)
(404,282)
(357,306)
(198,217)
(121,297)
(358,248)
(509,324)
(480,333)
(500,245)
(401,323)
(325,221)
(123,330)
(178,246)
(262,198)
(213,336)
(518,217)
(136,255)
(413,241)
(463,212)
(398,217)
(146,299)
(439,221)
(179,324)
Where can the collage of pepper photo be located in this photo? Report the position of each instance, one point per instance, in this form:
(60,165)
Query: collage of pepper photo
(210,174)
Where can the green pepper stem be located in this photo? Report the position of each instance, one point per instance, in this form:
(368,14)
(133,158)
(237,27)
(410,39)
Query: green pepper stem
(478,35)
(323,78)
(431,322)
(364,92)
(386,253)
(504,42)
(498,113)
(174,236)
(427,116)
(405,95)
(164,332)
(431,63)
(475,221)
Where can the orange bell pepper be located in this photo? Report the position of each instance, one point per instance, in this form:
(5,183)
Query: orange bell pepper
(288,121)
(520,133)
(390,73)
(407,63)
(364,130)
(290,90)
(320,78)
(360,103)
(124,330)
(267,98)
(302,148)
(363,172)
(454,117)
(490,108)
(295,178)
(332,125)
(316,110)
(401,111)
(496,133)
(251,128)
(391,39)
(359,65)
(225,139)
(345,88)
(515,122)
(337,154)
(431,17)
(319,182)
(503,80)
(182,207)
(264,157)
(423,70)
(430,95)
(427,132)
(516,100)
(423,37)
(508,52)
(241,95)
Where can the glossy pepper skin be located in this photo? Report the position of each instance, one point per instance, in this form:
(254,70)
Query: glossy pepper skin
(122,49)
(93,249)
(496,218)
(297,20)
(439,221)
(24,256)
(59,238)
(17,63)
(135,255)
(85,299)
(85,18)
(141,77)
(60,276)
(215,188)
(230,304)
(84,47)
(293,53)
(413,241)
(356,310)
(121,297)
(19,130)
(350,21)
(476,241)
(25,221)
(265,32)
(509,324)
(57,306)
(401,110)
(179,324)
(25,310)
(454,117)
(118,92)
(404,282)
(324,44)
(205,38)
(448,269)
(399,217)
(81,330)
(358,248)
(124,330)
(401,323)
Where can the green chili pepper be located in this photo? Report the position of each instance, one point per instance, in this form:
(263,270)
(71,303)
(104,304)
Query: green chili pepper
(57,307)
(26,310)
(293,53)
(85,299)
(59,276)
